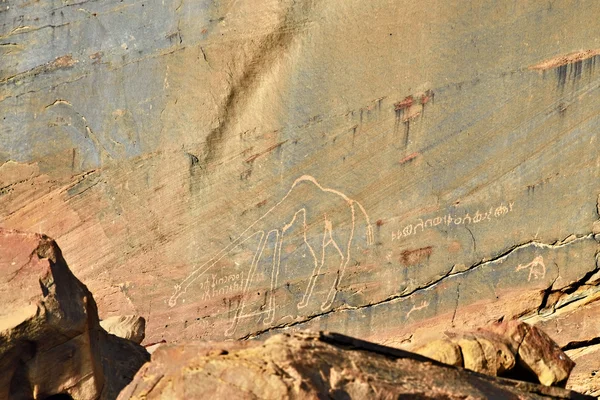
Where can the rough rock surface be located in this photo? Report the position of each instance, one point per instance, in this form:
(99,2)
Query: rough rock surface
(384,169)
(501,349)
(131,327)
(314,365)
(50,339)
(585,377)
(535,351)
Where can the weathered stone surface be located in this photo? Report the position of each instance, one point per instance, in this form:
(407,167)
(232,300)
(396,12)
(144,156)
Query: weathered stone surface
(231,168)
(571,321)
(585,377)
(444,351)
(473,355)
(501,349)
(131,327)
(535,350)
(498,356)
(50,338)
(121,359)
(301,366)
(544,358)
(47,335)
(575,322)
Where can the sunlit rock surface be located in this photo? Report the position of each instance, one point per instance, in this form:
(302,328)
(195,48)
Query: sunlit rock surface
(315,365)
(379,169)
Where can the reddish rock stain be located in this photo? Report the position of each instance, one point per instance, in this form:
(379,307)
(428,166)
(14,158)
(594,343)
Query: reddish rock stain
(409,157)
(417,256)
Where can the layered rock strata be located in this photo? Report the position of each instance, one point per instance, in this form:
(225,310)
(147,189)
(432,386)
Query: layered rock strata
(51,342)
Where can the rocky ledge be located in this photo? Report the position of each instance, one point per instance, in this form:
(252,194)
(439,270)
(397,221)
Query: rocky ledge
(315,365)
(51,341)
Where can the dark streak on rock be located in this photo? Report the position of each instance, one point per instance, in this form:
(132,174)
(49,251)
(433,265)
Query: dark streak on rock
(252,158)
(572,70)
(271,48)
(194,162)
(456,304)
(427,97)
(400,109)
(561,75)
(404,104)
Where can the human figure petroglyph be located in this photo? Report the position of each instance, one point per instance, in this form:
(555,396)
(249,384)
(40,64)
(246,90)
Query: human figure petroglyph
(537,268)
(316,224)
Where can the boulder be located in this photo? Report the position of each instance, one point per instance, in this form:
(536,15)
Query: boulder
(314,365)
(50,338)
(536,351)
(509,348)
(131,327)
(444,351)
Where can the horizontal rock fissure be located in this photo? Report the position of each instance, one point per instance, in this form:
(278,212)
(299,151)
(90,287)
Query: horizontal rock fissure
(449,274)
(580,344)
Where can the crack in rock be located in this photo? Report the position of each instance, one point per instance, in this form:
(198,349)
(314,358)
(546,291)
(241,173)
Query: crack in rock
(449,274)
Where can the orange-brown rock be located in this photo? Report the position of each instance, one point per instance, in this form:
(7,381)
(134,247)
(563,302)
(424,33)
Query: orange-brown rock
(505,349)
(315,365)
(444,351)
(130,327)
(585,377)
(50,338)
(536,351)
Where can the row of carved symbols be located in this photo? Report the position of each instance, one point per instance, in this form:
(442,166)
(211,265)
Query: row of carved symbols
(214,285)
(448,220)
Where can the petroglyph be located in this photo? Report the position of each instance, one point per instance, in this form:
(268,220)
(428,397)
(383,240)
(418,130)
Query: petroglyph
(424,304)
(312,226)
(537,268)
(448,220)
(214,286)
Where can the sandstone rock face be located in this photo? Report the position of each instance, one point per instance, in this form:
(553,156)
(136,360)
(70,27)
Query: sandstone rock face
(50,339)
(131,327)
(302,366)
(231,168)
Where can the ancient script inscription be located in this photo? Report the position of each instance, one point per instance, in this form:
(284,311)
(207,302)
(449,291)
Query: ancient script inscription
(452,219)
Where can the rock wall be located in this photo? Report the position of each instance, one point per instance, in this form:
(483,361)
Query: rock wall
(230,168)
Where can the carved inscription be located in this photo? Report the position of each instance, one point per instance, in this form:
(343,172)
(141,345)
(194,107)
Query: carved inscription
(449,220)
(215,286)
(313,228)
